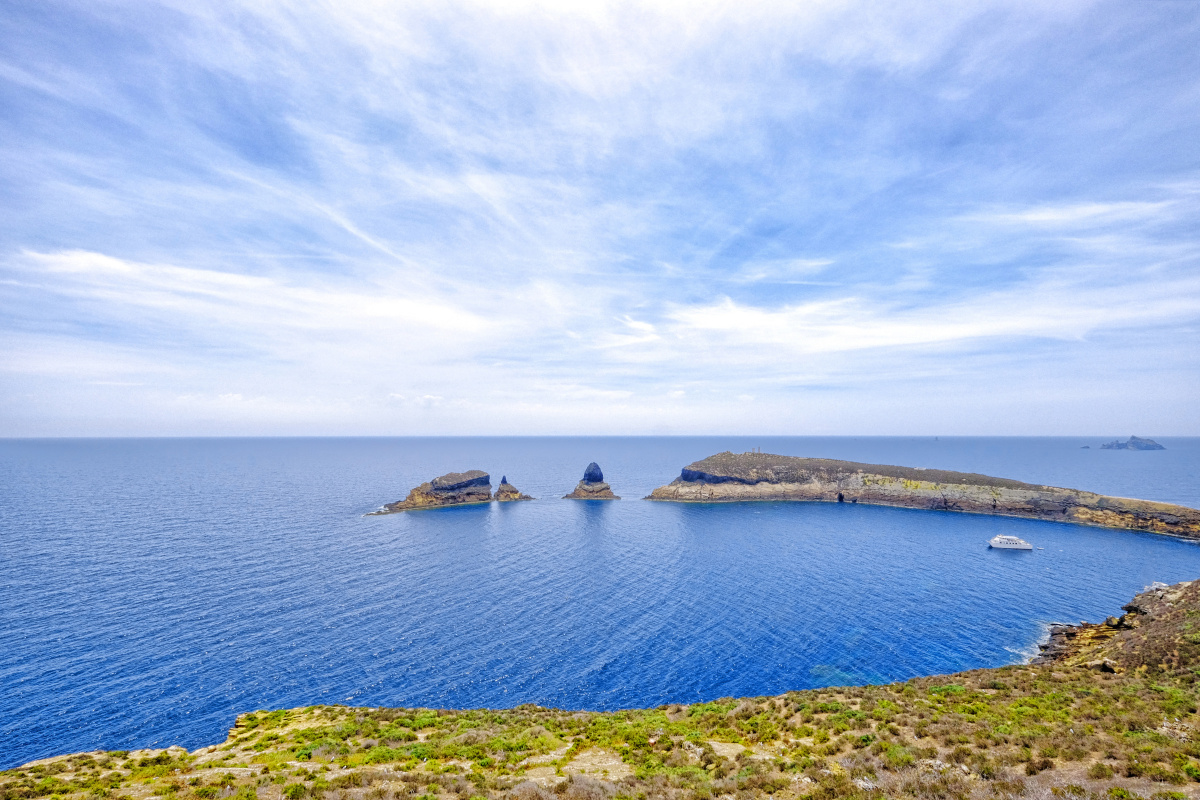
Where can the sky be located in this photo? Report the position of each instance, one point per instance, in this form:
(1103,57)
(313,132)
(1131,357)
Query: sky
(468,218)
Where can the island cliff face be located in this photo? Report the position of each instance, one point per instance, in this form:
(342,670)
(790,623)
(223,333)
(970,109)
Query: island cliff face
(729,477)
(451,489)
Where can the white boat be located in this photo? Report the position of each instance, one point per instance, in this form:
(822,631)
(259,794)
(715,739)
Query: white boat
(1009,543)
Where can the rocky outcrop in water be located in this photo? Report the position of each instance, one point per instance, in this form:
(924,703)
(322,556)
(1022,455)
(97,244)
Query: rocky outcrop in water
(1134,443)
(728,477)
(507,493)
(451,489)
(592,487)
(1153,633)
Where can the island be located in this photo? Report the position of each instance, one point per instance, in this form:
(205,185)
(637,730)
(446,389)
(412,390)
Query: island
(592,487)
(732,477)
(454,489)
(1111,718)
(1134,443)
(507,493)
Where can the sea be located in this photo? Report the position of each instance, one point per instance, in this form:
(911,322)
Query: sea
(153,589)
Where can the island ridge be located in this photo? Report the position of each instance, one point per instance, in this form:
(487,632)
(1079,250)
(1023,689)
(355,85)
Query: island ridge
(732,477)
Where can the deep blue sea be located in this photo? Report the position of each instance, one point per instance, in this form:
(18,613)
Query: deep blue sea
(151,589)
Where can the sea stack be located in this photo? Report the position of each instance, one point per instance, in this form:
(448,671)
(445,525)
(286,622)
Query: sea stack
(592,487)
(732,477)
(507,493)
(452,489)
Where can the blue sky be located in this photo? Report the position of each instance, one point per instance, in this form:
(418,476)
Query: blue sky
(512,218)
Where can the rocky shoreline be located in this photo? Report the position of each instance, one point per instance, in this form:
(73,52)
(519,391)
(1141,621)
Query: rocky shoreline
(1153,632)
(735,477)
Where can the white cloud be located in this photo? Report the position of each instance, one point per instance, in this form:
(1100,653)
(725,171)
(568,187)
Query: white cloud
(423,217)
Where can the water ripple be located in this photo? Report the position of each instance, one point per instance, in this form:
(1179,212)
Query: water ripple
(155,588)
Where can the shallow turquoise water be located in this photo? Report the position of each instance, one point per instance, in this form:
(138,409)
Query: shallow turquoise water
(152,589)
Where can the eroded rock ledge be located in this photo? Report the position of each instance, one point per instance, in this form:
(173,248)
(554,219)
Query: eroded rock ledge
(1153,633)
(731,477)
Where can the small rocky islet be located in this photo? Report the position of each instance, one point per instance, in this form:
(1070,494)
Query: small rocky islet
(592,487)
(472,487)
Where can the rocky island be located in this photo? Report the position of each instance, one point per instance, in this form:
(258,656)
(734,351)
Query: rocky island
(1110,720)
(731,477)
(1134,443)
(451,489)
(592,487)
(454,489)
(507,493)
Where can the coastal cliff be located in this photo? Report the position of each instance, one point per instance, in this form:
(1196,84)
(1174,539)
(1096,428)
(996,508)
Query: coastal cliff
(451,489)
(731,477)
(1155,632)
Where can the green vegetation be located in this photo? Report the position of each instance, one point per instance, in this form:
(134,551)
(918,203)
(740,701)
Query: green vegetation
(1000,733)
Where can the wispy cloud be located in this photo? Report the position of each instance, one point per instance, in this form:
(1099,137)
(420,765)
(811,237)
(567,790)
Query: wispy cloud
(604,217)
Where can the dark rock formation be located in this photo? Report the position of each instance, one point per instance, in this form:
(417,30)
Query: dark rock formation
(592,487)
(729,477)
(506,492)
(451,489)
(461,481)
(1134,443)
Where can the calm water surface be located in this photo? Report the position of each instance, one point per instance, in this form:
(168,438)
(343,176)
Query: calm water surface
(152,589)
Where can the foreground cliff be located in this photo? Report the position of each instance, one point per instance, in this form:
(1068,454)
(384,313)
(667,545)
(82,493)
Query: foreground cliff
(1071,729)
(760,476)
